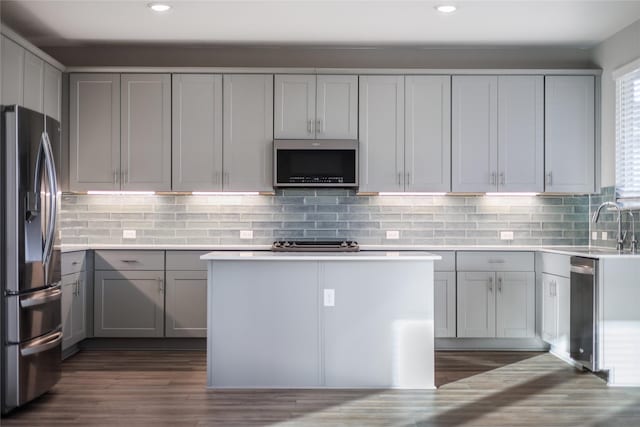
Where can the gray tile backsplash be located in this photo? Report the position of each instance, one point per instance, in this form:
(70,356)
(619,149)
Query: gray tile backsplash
(325,214)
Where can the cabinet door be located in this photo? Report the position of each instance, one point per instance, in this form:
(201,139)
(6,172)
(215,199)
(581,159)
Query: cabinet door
(516,305)
(381,125)
(68,294)
(128,304)
(549,308)
(379,331)
(33,82)
(428,133)
(146,132)
(563,288)
(444,289)
(521,133)
(12,73)
(52,91)
(295,106)
(474,137)
(569,133)
(248,132)
(337,107)
(94,135)
(476,305)
(186,304)
(79,310)
(197,132)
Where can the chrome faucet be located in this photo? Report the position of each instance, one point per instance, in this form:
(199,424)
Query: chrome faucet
(634,241)
(620,236)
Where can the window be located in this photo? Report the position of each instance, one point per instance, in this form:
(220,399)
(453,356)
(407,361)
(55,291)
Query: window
(628,135)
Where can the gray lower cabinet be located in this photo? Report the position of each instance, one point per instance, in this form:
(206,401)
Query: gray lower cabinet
(74,309)
(129,304)
(186,304)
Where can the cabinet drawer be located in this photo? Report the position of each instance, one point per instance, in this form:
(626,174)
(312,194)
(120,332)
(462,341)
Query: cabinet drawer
(186,260)
(447,263)
(496,261)
(73,262)
(129,260)
(557,264)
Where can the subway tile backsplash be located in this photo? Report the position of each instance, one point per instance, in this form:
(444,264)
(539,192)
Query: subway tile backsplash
(318,214)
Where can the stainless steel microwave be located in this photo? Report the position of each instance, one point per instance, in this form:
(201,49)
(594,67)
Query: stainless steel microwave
(315,163)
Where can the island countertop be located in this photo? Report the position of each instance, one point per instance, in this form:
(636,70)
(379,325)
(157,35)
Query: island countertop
(320,256)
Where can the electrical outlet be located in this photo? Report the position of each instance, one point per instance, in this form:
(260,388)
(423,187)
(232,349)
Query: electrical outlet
(128,234)
(329,297)
(604,235)
(393,234)
(594,235)
(246,234)
(506,235)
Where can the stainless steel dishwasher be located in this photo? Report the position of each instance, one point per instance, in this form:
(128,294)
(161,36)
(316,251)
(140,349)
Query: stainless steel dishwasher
(584,312)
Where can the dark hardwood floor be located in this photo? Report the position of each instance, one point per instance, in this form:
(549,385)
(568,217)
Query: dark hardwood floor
(125,388)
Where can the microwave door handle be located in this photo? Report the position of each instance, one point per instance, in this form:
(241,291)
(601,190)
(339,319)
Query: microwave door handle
(53,197)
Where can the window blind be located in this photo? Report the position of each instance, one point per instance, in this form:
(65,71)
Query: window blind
(628,137)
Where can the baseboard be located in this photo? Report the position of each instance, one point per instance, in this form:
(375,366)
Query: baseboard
(68,352)
(491,344)
(144,344)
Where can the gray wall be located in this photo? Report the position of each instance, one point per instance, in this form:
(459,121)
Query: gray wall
(321,56)
(323,214)
(620,49)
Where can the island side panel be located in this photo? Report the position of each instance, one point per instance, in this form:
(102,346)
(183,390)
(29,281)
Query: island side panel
(263,324)
(619,332)
(380,331)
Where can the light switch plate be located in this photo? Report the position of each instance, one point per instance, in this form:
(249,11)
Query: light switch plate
(329,297)
(246,234)
(393,234)
(594,235)
(128,234)
(506,235)
(604,235)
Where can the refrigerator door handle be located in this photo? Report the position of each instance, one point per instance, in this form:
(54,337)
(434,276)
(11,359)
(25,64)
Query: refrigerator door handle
(52,294)
(42,344)
(53,189)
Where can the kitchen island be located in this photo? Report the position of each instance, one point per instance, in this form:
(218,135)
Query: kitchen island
(305,320)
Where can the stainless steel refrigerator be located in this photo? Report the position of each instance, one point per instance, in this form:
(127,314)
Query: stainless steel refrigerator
(29,256)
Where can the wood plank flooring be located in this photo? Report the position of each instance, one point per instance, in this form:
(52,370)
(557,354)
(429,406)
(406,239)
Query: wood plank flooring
(167,388)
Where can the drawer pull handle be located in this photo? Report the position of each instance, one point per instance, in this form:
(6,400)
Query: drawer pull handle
(496,261)
(75,263)
(129,260)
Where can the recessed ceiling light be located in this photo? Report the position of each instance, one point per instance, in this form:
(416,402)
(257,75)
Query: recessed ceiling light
(446,8)
(159,7)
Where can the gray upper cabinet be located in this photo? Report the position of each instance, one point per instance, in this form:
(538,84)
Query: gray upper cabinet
(474,133)
(12,72)
(52,91)
(497,133)
(310,106)
(145,132)
(295,106)
(521,133)
(94,136)
(33,82)
(336,107)
(570,134)
(248,132)
(427,147)
(197,132)
(382,128)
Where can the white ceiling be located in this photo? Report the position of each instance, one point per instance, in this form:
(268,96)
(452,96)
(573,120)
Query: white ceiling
(581,23)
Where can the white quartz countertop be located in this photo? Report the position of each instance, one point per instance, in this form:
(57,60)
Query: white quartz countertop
(320,256)
(592,252)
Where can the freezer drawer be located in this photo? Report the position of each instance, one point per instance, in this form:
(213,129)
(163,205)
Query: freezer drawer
(33,368)
(37,313)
